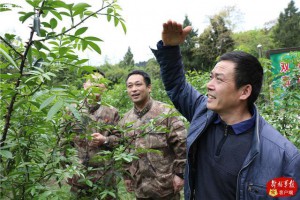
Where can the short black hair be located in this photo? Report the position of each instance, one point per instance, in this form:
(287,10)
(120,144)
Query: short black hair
(146,76)
(248,70)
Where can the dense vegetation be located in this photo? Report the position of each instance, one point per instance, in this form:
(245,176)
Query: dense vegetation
(42,78)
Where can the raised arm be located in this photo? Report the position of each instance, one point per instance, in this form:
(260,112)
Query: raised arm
(184,97)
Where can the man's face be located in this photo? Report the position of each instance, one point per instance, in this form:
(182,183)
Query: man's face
(137,90)
(223,96)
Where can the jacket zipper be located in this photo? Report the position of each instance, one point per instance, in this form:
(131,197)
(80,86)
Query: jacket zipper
(256,131)
(221,143)
(238,178)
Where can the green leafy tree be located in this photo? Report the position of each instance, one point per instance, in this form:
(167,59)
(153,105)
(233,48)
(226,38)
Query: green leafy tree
(128,59)
(115,73)
(286,32)
(187,47)
(33,101)
(249,40)
(213,42)
(152,67)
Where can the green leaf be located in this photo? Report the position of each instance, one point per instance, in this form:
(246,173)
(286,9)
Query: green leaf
(63,51)
(11,61)
(95,47)
(19,103)
(116,21)
(46,24)
(54,43)
(89,183)
(84,44)
(117,7)
(74,112)
(81,31)
(29,56)
(72,57)
(112,194)
(9,36)
(93,39)
(46,76)
(79,62)
(4,9)
(24,17)
(36,104)
(38,45)
(51,74)
(109,10)
(39,69)
(81,6)
(124,27)
(56,14)
(45,195)
(6,154)
(54,109)
(47,102)
(53,23)
(7,6)
(9,76)
(65,13)
(58,90)
(108,17)
(60,4)
(88,68)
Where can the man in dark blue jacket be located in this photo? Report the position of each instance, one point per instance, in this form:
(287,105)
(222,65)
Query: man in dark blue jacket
(232,152)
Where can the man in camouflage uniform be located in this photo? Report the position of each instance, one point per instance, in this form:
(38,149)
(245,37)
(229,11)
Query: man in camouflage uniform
(159,139)
(95,119)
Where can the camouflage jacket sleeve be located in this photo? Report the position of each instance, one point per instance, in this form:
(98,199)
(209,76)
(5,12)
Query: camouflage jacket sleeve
(114,135)
(177,141)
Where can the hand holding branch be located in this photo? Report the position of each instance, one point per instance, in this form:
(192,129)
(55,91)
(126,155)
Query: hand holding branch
(98,139)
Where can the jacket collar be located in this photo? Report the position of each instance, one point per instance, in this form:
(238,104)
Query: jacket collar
(141,113)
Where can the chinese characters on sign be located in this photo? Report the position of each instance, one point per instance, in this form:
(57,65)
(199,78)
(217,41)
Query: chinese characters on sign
(283,62)
(282,187)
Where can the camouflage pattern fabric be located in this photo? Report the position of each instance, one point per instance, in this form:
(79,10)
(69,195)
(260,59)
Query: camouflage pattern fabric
(160,145)
(101,119)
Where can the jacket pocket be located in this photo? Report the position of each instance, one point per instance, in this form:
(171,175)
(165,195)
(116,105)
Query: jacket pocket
(257,192)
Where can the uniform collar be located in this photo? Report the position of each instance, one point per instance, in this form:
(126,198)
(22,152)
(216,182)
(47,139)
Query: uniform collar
(141,113)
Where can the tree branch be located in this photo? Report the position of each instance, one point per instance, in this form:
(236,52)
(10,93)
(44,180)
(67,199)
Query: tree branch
(8,44)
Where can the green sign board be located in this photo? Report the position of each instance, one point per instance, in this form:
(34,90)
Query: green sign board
(283,62)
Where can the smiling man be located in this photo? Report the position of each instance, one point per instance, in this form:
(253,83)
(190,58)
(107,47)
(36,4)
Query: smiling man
(158,138)
(232,152)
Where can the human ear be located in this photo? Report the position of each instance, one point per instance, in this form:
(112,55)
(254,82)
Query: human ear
(246,91)
(149,87)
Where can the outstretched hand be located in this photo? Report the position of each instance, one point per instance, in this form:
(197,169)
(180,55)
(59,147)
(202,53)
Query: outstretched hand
(173,34)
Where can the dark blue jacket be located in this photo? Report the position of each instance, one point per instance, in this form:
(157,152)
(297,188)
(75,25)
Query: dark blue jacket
(271,154)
